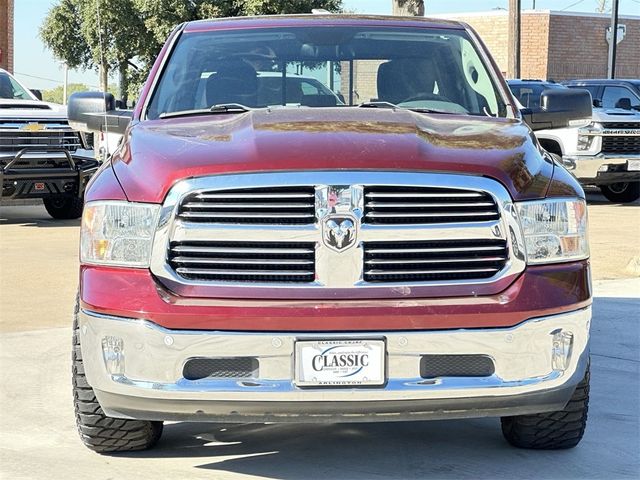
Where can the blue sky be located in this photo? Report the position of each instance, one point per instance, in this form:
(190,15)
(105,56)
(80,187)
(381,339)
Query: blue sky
(36,67)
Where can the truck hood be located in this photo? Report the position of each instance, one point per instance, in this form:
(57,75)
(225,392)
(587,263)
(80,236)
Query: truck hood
(615,115)
(31,110)
(156,154)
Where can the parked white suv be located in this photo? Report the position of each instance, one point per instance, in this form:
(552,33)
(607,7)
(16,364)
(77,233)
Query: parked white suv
(605,153)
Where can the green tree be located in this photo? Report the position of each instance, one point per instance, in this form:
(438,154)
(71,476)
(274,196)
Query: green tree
(408,7)
(113,34)
(54,95)
(100,34)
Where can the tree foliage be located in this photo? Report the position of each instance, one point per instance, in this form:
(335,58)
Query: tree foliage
(54,95)
(109,34)
(408,7)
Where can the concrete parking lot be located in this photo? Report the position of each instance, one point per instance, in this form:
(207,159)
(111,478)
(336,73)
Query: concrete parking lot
(38,281)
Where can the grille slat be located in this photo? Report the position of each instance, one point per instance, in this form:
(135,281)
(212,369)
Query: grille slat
(289,262)
(243,261)
(264,205)
(252,196)
(433,260)
(239,217)
(244,205)
(425,205)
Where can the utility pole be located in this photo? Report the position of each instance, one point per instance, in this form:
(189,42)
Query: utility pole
(611,71)
(66,83)
(513,67)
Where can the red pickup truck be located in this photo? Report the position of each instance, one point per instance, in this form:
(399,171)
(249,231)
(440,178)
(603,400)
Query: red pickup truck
(393,245)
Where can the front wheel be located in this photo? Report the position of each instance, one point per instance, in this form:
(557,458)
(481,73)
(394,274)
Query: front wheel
(97,431)
(64,208)
(551,430)
(622,192)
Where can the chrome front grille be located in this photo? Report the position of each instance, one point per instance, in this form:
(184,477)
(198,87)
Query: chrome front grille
(289,262)
(433,260)
(321,234)
(271,205)
(17,135)
(424,205)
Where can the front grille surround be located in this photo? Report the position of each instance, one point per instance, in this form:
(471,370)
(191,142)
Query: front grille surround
(339,271)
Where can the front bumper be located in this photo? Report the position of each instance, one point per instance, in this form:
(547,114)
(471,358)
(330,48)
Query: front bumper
(602,168)
(532,374)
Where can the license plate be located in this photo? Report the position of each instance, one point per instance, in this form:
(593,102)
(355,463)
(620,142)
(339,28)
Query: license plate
(633,165)
(38,186)
(340,362)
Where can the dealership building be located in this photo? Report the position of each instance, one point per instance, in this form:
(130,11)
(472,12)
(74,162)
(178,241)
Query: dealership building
(559,45)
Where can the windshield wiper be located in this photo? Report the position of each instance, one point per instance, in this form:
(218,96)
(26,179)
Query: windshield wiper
(218,108)
(394,106)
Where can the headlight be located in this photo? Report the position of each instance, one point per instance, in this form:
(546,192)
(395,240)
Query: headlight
(118,233)
(587,135)
(555,230)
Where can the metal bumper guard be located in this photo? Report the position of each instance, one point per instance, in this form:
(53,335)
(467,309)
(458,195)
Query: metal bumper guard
(537,366)
(18,181)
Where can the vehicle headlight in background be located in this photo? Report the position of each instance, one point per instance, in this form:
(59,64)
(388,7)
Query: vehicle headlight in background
(555,230)
(118,233)
(587,135)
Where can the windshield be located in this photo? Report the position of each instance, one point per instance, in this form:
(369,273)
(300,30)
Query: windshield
(12,90)
(327,66)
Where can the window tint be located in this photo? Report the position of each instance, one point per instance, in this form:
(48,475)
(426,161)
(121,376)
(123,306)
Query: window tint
(614,96)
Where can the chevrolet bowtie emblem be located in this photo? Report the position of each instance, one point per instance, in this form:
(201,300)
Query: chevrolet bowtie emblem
(339,232)
(33,127)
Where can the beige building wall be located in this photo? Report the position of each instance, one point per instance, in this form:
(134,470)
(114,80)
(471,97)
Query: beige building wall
(6,34)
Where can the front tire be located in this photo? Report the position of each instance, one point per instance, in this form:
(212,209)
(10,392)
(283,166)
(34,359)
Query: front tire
(551,430)
(622,192)
(64,208)
(97,431)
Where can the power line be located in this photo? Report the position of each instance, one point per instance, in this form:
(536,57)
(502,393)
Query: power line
(48,79)
(572,5)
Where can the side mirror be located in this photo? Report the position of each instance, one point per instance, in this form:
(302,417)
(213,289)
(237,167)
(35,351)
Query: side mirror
(37,93)
(96,112)
(560,108)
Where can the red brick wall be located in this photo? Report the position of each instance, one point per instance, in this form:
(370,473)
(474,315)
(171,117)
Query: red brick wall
(6,34)
(578,48)
(557,45)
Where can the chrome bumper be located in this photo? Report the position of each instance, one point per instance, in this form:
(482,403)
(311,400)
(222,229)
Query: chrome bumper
(532,374)
(587,167)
